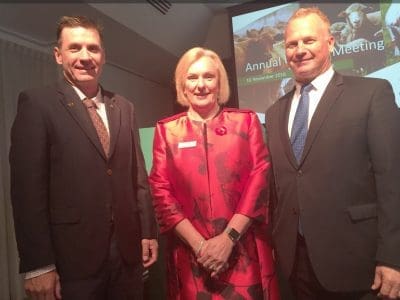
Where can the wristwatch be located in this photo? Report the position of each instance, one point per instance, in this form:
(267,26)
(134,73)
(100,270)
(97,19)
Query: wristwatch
(233,234)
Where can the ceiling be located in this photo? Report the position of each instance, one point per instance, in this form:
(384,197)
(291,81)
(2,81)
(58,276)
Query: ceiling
(138,38)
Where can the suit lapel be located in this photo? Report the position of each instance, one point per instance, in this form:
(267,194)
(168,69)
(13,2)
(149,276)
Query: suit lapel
(331,94)
(114,118)
(78,112)
(284,109)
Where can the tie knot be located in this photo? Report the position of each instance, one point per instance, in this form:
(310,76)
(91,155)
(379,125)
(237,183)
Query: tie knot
(306,88)
(89,103)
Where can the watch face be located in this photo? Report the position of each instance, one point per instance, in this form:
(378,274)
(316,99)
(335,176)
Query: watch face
(233,234)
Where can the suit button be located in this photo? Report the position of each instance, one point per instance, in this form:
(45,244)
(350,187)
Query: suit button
(300,173)
(109,172)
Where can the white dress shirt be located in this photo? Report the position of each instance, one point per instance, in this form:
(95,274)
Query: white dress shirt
(101,107)
(319,86)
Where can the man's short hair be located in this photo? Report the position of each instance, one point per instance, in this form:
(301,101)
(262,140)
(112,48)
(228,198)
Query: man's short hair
(78,21)
(305,11)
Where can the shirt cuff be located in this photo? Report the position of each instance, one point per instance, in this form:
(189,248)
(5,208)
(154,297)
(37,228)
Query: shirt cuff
(38,272)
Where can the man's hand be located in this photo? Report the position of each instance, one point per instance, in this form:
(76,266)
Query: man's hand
(149,252)
(387,280)
(44,287)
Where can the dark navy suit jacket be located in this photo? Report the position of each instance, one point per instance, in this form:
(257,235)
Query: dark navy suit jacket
(345,189)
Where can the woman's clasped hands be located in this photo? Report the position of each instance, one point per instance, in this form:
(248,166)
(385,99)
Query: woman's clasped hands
(213,254)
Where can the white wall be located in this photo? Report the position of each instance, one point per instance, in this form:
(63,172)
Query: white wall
(152,100)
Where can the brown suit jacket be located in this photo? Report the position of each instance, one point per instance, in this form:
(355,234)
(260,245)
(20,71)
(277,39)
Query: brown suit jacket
(345,189)
(65,191)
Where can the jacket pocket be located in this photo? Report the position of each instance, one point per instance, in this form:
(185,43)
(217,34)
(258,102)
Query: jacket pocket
(64,216)
(362,212)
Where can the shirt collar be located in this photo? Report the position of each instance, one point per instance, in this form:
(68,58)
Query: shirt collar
(321,81)
(98,98)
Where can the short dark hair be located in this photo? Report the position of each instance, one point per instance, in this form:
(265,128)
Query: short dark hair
(78,21)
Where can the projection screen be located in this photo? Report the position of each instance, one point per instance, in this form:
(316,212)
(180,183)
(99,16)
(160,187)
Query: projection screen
(367,44)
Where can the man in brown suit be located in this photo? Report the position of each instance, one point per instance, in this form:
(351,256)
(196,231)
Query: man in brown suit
(82,210)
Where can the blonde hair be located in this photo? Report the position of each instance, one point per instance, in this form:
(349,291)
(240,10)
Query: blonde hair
(187,59)
(306,11)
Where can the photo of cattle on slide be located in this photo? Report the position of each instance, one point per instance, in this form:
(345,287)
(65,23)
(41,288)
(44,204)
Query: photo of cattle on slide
(260,56)
(260,51)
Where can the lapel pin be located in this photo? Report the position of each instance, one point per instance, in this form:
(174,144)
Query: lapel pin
(70,104)
(112,103)
(221,130)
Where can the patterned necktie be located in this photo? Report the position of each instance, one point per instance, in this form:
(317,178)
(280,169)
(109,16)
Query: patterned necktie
(98,123)
(300,123)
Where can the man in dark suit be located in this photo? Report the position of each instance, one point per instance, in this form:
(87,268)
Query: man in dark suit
(82,210)
(335,153)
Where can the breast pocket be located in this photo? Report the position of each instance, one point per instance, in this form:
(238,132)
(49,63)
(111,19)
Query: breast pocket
(362,212)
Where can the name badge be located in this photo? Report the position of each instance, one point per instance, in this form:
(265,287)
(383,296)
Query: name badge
(189,144)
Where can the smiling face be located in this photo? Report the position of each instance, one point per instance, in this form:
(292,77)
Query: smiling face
(81,55)
(308,44)
(202,85)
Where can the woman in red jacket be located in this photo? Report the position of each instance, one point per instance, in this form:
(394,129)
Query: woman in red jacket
(209,185)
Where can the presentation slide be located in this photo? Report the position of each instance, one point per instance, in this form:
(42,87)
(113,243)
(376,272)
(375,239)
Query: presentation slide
(367,43)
